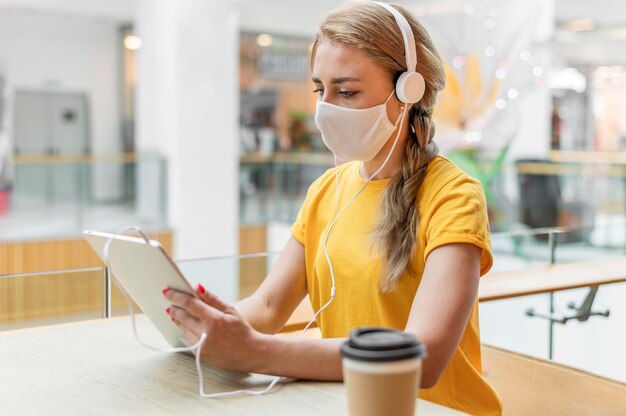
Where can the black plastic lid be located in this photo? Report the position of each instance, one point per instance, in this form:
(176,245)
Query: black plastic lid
(381,344)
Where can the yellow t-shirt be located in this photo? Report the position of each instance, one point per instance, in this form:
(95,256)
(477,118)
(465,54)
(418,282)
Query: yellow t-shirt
(452,210)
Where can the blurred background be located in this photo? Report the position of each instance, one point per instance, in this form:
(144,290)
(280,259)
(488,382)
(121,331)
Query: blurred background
(194,120)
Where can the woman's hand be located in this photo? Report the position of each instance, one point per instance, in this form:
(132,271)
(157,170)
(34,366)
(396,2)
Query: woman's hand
(231,343)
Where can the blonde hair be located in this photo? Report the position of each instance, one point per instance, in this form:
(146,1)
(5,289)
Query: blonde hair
(371,28)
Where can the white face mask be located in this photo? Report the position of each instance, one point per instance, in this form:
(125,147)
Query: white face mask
(354,134)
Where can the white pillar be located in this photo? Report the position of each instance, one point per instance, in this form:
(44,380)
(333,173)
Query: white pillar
(534,112)
(188,110)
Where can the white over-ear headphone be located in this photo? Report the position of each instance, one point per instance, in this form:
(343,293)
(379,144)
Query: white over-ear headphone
(410,86)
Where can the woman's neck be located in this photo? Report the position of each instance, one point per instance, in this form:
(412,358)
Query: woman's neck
(394,164)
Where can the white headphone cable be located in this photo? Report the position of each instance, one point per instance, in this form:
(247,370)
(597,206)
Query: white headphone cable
(195,348)
(333,289)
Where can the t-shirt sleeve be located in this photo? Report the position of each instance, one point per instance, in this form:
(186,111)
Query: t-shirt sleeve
(458,214)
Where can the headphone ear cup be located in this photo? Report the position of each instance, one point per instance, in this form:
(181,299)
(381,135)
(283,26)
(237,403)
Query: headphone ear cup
(410,87)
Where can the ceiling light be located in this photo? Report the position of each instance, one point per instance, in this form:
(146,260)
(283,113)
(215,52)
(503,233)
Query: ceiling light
(264,39)
(580,25)
(132,42)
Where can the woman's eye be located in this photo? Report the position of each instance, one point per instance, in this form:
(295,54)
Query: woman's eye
(343,93)
(347,93)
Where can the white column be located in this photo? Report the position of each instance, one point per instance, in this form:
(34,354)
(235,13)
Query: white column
(534,112)
(188,110)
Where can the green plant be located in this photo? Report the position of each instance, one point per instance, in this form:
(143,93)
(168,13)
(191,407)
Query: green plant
(469,160)
(298,116)
(298,133)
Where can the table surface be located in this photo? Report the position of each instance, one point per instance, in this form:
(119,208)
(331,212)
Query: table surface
(551,278)
(98,368)
(545,168)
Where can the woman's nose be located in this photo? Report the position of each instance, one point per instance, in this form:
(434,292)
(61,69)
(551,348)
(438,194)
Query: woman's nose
(327,98)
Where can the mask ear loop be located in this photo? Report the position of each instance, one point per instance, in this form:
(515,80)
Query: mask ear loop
(195,348)
(333,289)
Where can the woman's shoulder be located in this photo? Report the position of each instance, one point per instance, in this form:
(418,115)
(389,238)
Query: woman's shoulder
(442,174)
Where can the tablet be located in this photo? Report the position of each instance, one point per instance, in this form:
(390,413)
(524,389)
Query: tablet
(144,269)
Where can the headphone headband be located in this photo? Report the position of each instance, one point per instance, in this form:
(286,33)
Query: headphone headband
(410,86)
(407,36)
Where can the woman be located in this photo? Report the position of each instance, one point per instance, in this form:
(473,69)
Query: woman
(409,244)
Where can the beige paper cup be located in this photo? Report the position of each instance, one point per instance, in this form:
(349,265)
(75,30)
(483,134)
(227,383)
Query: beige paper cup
(382,372)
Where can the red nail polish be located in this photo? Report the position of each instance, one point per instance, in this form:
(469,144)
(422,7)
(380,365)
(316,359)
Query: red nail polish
(201,288)
(165,291)
(172,319)
(168,310)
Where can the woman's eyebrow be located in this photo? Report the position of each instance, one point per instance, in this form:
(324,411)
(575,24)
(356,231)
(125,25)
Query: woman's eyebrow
(336,80)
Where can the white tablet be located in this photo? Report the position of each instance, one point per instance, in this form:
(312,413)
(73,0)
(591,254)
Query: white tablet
(144,270)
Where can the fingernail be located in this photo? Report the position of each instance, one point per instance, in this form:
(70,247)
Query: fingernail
(201,288)
(168,310)
(172,319)
(165,291)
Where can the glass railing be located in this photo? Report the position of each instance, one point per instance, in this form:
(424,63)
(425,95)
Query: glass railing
(516,323)
(56,195)
(525,248)
(37,299)
(567,189)
(272,187)
(232,277)
(28,300)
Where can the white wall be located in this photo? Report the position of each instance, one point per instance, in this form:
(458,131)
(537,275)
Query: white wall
(187,109)
(51,51)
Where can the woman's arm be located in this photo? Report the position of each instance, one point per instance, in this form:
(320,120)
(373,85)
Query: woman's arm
(443,303)
(271,305)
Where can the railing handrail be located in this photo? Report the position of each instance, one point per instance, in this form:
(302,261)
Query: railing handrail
(49,272)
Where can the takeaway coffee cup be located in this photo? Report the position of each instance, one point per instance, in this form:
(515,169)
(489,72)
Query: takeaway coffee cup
(382,370)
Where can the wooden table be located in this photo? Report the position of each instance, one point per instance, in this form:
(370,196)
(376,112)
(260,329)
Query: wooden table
(291,158)
(98,368)
(551,278)
(74,158)
(590,157)
(562,162)
(559,168)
